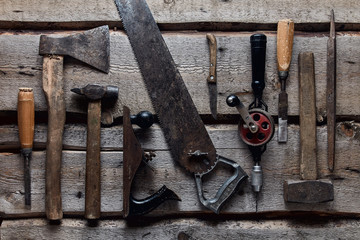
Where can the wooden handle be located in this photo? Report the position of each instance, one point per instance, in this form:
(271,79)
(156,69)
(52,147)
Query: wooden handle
(308,165)
(213,47)
(53,88)
(26,117)
(285,38)
(93,170)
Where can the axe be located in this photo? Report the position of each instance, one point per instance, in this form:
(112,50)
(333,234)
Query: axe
(91,47)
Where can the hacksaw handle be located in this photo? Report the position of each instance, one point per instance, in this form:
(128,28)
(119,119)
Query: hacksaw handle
(26,117)
(285,38)
(53,88)
(258,53)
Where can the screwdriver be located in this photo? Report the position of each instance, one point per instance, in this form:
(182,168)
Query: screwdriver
(26,122)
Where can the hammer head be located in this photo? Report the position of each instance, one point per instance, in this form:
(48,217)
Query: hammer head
(91,47)
(96,92)
(308,191)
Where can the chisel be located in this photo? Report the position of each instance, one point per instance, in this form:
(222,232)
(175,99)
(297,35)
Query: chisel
(26,119)
(285,37)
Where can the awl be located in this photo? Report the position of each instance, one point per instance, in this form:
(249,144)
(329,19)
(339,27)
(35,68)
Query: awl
(26,119)
(331,93)
(285,37)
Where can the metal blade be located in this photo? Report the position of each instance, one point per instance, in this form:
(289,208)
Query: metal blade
(182,126)
(91,47)
(283,117)
(213,99)
(331,93)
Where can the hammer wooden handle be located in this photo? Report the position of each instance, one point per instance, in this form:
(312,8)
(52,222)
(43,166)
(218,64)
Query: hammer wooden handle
(26,117)
(93,181)
(285,38)
(308,165)
(54,94)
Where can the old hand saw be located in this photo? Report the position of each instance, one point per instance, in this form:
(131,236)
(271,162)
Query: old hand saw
(183,128)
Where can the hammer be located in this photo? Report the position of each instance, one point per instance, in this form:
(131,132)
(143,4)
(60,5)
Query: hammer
(309,189)
(94,94)
(91,47)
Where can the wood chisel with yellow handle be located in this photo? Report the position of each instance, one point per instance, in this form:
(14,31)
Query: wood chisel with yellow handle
(285,37)
(26,123)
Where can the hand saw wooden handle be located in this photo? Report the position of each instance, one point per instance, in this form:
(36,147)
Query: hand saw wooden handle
(54,94)
(285,38)
(26,117)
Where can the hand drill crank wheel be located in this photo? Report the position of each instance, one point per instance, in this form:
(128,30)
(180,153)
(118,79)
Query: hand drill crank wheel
(265,131)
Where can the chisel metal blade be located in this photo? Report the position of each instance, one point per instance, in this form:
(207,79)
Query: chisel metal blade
(213,99)
(283,117)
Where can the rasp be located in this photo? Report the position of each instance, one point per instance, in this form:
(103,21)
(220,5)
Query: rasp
(331,93)
(212,77)
(184,131)
(285,37)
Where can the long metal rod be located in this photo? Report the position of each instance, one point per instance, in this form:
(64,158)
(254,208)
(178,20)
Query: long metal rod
(331,93)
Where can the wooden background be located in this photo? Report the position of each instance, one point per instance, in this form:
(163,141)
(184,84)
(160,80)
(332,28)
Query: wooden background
(184,24)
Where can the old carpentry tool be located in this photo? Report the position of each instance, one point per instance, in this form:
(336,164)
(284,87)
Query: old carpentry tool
(133,157)
(26,124)
(256,126)
(184,131)
(91,47)
(331,93)
(308,190)
(285,37)
(94,94)
(212,78)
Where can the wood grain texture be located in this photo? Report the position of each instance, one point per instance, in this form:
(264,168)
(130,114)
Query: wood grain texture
(308,163)
(182,11)
(191,54)
(190,228)
(53,86)
(279,164)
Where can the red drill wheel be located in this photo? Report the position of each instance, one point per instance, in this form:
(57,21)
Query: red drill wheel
(266,127)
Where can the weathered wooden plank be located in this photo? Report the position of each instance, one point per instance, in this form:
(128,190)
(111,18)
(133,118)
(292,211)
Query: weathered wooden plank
(280,162)
(20,65)
(187,228)
(184,11)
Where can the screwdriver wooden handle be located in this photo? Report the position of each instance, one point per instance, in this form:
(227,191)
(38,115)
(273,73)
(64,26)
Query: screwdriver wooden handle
(26,117)
(285,38)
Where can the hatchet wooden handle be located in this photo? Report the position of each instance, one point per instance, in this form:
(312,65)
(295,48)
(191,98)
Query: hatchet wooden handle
(93,181)
(53,88)
(285,38)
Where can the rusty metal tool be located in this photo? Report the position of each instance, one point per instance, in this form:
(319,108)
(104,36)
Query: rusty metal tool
(94,94)
(256,126)
(331,93)
(285,38)
(309,189)
(26,124)
(184,131)
(212,78)
(91,47)
(133,157)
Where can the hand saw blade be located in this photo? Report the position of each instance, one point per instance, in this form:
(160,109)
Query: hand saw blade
(183,128)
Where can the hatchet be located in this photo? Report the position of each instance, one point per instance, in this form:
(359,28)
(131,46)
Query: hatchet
(91,47)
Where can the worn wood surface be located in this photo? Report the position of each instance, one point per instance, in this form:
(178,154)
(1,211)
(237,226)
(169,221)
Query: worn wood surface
(256,13)
(191,54)
(279,164)
(186,228)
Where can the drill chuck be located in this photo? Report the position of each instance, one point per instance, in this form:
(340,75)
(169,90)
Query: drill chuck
(256,178)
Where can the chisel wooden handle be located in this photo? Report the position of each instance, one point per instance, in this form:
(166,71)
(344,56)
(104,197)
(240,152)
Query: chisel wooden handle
(213,48)
(26,117)
(54,94)
(285,38)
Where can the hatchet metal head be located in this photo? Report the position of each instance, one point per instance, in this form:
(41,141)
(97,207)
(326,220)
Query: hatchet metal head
(91,47)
